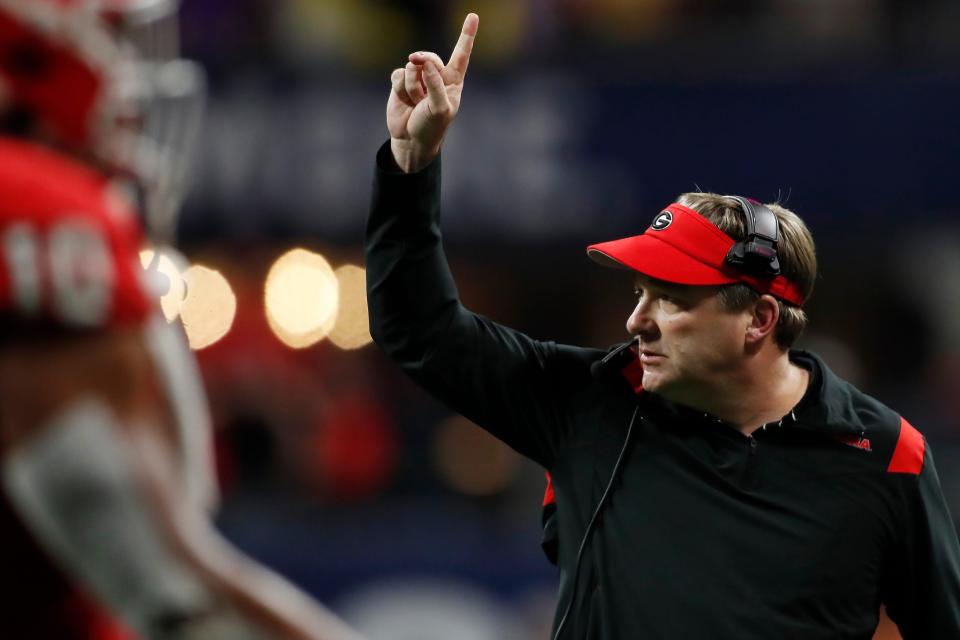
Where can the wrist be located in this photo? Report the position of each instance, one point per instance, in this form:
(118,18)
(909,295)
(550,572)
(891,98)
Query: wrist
(411,157)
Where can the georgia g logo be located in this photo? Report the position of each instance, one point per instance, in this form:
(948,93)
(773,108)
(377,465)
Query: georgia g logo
(662,221)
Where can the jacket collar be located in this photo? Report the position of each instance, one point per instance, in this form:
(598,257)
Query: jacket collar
(830,404)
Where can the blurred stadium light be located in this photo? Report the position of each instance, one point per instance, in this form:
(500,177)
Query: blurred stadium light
(209,308)
(301,298)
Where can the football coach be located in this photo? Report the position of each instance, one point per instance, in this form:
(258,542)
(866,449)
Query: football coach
(708,481)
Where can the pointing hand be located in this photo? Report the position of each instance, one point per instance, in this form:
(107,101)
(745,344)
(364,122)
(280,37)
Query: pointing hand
(425,98)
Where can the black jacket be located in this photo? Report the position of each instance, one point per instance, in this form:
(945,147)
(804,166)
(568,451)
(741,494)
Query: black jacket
(799,531)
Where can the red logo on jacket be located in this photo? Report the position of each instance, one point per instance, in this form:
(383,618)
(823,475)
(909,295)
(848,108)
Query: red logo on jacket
(857,441)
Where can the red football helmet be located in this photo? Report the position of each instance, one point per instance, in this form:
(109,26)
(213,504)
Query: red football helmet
(102,80)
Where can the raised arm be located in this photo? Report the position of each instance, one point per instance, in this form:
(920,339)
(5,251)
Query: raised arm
(511,385)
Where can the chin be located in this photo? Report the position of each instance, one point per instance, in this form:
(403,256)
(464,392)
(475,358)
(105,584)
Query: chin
(654,381)
(665,386)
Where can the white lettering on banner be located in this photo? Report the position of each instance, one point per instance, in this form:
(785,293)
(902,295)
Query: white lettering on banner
(70,266)
(300,161)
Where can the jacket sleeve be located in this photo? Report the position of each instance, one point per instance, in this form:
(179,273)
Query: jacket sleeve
(922,589)
(508,383)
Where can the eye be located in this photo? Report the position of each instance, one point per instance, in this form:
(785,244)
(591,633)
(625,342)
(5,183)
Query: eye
(672,302)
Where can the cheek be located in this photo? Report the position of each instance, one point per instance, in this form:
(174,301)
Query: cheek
(705,343)
(722,344)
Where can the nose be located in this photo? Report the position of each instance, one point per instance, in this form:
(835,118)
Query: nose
(641,323)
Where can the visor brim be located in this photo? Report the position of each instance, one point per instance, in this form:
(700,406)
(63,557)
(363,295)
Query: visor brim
(656,259)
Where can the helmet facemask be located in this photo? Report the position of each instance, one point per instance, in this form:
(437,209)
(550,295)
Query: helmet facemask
(138,116)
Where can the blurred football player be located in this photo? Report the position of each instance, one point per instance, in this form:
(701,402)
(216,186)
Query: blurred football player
(106,481)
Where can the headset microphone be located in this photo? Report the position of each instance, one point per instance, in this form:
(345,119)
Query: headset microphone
(614,361)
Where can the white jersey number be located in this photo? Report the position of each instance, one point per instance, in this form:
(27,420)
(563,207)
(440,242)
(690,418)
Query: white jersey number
(69,265)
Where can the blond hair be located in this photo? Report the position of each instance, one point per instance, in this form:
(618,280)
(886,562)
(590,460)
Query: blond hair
(798,259)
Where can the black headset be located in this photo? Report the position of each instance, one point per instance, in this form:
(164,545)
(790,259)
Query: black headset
(757,253)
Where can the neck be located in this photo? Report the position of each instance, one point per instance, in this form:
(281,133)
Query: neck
(763,391)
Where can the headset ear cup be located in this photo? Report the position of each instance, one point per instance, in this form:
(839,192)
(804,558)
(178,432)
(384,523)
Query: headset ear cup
(735,255)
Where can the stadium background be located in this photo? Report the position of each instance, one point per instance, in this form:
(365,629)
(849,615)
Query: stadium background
(580,120)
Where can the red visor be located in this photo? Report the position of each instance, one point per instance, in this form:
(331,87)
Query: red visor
(682,246)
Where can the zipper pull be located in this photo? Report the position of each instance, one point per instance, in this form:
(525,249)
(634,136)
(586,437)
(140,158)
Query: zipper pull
(753,445)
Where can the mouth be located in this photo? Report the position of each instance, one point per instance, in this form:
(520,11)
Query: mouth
(650,357)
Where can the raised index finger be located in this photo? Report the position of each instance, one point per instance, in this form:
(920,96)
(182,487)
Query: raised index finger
(460,58)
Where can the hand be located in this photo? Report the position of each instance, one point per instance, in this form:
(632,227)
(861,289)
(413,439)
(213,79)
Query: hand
(425,99)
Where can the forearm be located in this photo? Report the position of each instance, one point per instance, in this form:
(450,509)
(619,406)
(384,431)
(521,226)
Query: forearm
(411,293)
(245,595)
(74,485)
(262,599)
(494,375)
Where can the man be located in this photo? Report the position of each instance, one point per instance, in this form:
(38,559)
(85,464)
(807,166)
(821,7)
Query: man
(106,480)
(707,480)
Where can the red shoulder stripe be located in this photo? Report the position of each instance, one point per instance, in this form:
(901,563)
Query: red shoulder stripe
(548,497)
(908,456)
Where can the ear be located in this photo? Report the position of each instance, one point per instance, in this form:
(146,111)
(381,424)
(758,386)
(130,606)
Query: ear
(763,320)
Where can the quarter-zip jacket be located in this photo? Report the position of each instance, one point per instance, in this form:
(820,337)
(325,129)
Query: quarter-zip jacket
(799,531)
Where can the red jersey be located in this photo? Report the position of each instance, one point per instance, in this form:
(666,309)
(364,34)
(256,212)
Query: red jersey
(68,243)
